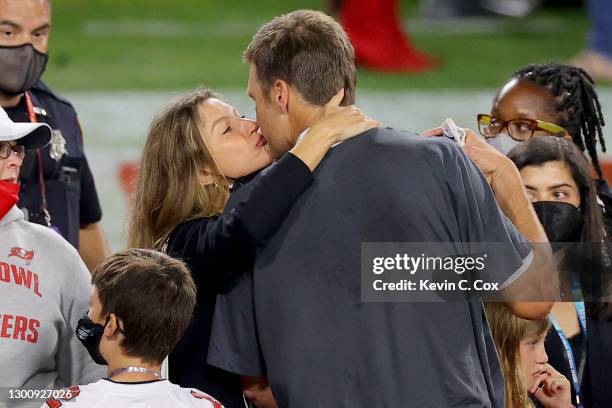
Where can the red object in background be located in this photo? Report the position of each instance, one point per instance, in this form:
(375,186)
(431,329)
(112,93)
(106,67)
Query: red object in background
(606,168)
(128,176)
(380,43)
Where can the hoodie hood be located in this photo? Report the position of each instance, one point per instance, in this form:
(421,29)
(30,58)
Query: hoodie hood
(14,214)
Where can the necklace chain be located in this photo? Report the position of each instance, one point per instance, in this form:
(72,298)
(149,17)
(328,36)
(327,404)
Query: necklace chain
(135,369)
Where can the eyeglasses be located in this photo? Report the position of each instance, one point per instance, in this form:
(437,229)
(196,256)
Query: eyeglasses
(518,129)
(6,148)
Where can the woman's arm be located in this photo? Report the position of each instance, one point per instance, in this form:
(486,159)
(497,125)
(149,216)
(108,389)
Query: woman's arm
(225,244)
(337,124)
(259,208)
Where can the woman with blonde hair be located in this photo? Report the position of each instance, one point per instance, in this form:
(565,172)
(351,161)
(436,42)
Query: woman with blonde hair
(196,150)
(529,380)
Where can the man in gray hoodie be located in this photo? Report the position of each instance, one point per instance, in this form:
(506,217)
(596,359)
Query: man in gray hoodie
(44,288)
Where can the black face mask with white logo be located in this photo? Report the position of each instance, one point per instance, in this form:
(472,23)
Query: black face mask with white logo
(90,334)
(561,221)
(20,68)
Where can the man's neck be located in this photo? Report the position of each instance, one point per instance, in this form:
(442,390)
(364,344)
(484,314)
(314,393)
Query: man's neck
(307,116)
(9,101)
(124,362)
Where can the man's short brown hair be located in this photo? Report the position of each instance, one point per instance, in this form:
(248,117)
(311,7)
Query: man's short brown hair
(152,294)
(310,51)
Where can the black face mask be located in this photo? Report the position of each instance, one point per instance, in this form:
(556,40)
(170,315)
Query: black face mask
(90,334)
(561,221)
(20,68)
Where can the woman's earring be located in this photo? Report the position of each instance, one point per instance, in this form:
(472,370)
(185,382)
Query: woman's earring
(220,187)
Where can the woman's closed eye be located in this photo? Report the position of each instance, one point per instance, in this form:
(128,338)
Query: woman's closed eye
(229,127)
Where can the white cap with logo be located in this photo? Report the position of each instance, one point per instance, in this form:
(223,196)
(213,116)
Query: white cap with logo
(30,135)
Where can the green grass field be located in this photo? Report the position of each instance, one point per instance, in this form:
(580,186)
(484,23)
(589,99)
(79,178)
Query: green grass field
(155,44)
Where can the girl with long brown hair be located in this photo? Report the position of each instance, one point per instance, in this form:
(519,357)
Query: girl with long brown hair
(527,374)
(197,148)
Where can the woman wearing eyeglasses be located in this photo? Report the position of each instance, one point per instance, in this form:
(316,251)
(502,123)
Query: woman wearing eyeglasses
(546,100)
(559,101)
(550,100)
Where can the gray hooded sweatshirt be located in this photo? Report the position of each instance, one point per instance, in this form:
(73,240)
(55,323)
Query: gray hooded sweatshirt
(44,291)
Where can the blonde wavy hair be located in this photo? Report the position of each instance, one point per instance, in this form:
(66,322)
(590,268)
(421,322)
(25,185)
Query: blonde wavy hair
(508,331)
(170,190)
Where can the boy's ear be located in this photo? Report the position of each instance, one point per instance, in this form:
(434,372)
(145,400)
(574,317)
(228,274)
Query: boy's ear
(111,327)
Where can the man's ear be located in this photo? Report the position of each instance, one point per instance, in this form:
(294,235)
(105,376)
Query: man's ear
(279,94)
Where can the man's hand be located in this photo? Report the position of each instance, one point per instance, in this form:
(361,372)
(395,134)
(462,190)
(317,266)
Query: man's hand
(487,158)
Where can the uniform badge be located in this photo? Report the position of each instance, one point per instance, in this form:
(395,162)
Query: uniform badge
(58,145)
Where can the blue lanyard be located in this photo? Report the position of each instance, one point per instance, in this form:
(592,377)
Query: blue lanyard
(580,310)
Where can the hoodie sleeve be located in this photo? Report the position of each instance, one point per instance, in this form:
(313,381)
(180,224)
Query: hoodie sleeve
(73,362)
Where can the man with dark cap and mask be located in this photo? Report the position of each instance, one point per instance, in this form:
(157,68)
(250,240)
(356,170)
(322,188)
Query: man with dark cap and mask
(57,186)
(44,286)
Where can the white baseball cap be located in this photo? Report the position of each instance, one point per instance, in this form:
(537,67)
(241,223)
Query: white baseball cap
(30,135)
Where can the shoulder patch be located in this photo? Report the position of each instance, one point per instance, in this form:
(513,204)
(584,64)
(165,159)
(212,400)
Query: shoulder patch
(199,395)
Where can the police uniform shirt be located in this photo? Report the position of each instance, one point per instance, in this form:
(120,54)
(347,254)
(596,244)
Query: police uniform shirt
(71,194)
(314,338)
